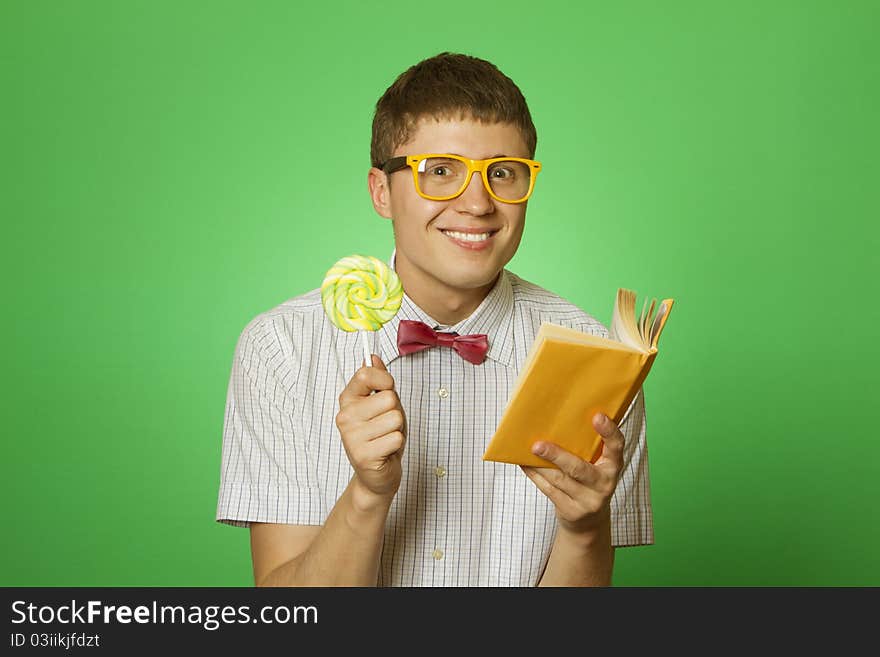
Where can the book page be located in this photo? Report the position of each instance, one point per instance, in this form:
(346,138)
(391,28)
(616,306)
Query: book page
(639,333)
(623,321)
(660,321)
(646,318)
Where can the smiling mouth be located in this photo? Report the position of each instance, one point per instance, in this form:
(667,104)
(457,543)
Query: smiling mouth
(469,237)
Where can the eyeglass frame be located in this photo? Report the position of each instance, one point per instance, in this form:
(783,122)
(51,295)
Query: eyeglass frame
(400,162)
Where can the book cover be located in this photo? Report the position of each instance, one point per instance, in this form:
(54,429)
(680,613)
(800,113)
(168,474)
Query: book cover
(569,376)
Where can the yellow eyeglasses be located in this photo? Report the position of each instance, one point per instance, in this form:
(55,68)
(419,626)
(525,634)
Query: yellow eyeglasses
(441,176)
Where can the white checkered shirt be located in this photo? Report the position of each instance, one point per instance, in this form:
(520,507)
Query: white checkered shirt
(456,520)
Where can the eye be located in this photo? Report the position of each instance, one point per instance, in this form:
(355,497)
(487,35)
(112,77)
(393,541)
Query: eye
(503,172)
(441,170)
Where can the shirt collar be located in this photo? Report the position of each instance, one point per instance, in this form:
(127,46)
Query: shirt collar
(494,317)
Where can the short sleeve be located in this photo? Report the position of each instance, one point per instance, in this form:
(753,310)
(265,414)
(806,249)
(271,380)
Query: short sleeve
(265,474)
(631,517)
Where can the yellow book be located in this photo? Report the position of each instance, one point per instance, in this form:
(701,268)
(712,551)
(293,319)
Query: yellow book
(569,376)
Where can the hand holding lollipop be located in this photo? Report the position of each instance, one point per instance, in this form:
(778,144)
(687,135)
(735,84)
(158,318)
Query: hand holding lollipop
(361,293)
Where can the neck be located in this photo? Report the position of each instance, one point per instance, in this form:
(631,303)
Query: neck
(443,303)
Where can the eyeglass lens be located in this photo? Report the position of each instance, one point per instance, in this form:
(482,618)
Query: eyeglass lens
(439,176)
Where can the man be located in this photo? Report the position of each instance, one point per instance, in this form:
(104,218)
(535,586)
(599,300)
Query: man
(384,484)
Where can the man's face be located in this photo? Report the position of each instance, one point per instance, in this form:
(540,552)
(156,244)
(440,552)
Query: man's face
(433,261)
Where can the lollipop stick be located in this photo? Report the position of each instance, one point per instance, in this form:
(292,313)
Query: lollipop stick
(368,357)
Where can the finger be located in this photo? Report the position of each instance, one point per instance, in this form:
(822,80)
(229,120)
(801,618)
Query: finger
(561,500)
(367,408)
(571,467)
(612,439)
(363,409)
(389,421)
(384,446)
(380,425)
(365,380)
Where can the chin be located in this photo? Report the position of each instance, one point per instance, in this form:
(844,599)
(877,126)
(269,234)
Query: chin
(471,282)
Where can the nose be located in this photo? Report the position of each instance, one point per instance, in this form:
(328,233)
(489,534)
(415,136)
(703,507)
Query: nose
(475,199)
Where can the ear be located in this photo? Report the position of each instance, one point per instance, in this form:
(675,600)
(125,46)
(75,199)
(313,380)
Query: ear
(380,193)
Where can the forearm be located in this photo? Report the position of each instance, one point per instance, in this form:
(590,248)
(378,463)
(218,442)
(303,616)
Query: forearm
(346,551)
(581,560)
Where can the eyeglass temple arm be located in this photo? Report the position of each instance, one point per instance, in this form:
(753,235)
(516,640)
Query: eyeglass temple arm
(394,164)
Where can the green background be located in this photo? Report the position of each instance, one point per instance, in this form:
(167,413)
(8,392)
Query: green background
(172,169)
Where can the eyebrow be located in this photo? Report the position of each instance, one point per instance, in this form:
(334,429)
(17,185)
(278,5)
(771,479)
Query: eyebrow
(487,158)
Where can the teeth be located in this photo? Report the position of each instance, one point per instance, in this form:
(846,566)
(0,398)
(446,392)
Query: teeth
(467,237)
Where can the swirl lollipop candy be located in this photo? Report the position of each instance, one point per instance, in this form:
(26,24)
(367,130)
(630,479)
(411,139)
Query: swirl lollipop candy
(361,293)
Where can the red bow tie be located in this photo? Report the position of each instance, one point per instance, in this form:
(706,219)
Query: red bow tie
(415,336)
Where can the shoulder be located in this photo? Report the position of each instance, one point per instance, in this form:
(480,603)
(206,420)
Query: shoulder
(286,329)
(542,305)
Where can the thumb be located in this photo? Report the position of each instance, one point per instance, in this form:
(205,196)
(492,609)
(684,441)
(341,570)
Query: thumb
(377,362)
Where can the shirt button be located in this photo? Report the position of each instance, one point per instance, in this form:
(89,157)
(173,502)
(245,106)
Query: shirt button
(437,554)
(440,471)
(443,393)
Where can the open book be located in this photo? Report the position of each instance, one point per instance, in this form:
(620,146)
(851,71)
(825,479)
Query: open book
(569,376)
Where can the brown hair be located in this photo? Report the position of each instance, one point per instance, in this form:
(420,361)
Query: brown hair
(447,86)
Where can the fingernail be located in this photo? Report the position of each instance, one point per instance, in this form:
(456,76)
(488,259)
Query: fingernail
(539,449)
(602,419)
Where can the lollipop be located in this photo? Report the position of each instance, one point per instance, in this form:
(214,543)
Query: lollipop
(361,293)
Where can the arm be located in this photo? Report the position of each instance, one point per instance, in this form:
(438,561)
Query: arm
(345,551)
(580,560)
(582,553)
